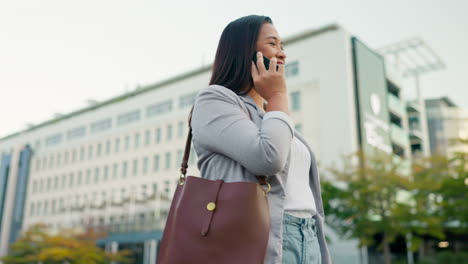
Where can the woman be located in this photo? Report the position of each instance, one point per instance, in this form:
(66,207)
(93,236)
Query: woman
(236,133)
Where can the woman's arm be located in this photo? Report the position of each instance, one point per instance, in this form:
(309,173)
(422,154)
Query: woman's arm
(220,124)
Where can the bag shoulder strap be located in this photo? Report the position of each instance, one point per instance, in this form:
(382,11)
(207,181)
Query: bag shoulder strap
(184,165)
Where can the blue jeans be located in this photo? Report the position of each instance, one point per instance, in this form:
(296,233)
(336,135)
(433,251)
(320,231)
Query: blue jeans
(300,244)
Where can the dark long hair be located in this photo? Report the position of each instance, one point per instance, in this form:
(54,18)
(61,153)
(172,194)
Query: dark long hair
(237,45)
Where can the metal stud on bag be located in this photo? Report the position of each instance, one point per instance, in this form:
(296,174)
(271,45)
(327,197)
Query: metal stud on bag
(265,192)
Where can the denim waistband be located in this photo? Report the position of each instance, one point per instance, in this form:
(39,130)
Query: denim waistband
(301,222)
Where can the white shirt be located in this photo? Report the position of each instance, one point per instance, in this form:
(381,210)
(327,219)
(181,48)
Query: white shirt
(299,199)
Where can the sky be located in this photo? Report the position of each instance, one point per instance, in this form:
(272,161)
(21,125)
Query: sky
(55,55)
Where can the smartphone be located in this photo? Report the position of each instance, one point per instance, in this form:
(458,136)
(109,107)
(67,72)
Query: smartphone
(266,61)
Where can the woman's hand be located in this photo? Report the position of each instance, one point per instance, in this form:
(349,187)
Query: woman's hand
(270,84)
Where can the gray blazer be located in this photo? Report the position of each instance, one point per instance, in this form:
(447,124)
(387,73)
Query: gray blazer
(232,147)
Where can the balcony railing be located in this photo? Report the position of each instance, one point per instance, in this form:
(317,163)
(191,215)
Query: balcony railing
(399,135)
(396,105)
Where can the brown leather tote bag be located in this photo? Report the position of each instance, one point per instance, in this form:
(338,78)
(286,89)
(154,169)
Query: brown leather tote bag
(215,222)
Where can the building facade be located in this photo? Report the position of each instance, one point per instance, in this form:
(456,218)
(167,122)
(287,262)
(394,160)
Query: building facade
(115,164)
(446,122)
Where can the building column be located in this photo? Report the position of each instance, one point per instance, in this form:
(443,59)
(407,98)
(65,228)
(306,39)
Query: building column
(364,255)
(426,149)
(112,247)
(8,203)
(149,252)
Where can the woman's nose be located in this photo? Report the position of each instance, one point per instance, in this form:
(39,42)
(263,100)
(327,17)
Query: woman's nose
(281,55)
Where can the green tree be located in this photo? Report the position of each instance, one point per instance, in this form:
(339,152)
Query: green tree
(37,245)
(453,194)
(423,216)
(372,196)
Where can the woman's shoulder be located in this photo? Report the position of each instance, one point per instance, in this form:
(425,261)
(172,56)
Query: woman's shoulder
(216,91)
(218,95)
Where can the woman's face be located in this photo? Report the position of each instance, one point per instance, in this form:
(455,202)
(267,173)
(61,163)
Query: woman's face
(269,43)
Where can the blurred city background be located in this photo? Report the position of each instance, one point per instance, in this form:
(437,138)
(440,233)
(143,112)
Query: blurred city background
(95,97)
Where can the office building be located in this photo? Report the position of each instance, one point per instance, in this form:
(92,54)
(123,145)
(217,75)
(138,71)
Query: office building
(115,164)
(446,122)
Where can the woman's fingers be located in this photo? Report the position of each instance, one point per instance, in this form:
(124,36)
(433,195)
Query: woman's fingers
(281,68)
(260,65)
(273,63)
(254,71)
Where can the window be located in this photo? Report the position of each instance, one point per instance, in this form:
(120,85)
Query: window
(105,176)
(298,127)
(71,180)
(37,145)
(34,186)
(38,209)
(108,147)
(49,184)
(112,199)
(53,139)
(169,132)
(159,108)
(144,192)
(79,179)
(90,152)
(128,117)
(96,175)
(167,188)
(46,207)
(44,162)
(53,207)
(168,160)
(98,149)
(41,185)
(88,176)
(124,169)
(181,129)
(147,137)
(296,101)
(61,204)
(115,171)
(59,159)
(65,158)
(156,163)
(82,153)
(137,140)
(179,158)
(158,135)
(135,167)
(38,164)
(104,197)
(73,159)
(291,69)
(51,162)
(56,182)
(127,143)
(101,125)
(76,132)
(122,193)
(31,209)
(187,100)
(64,181)
(117,145)
(145,165)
